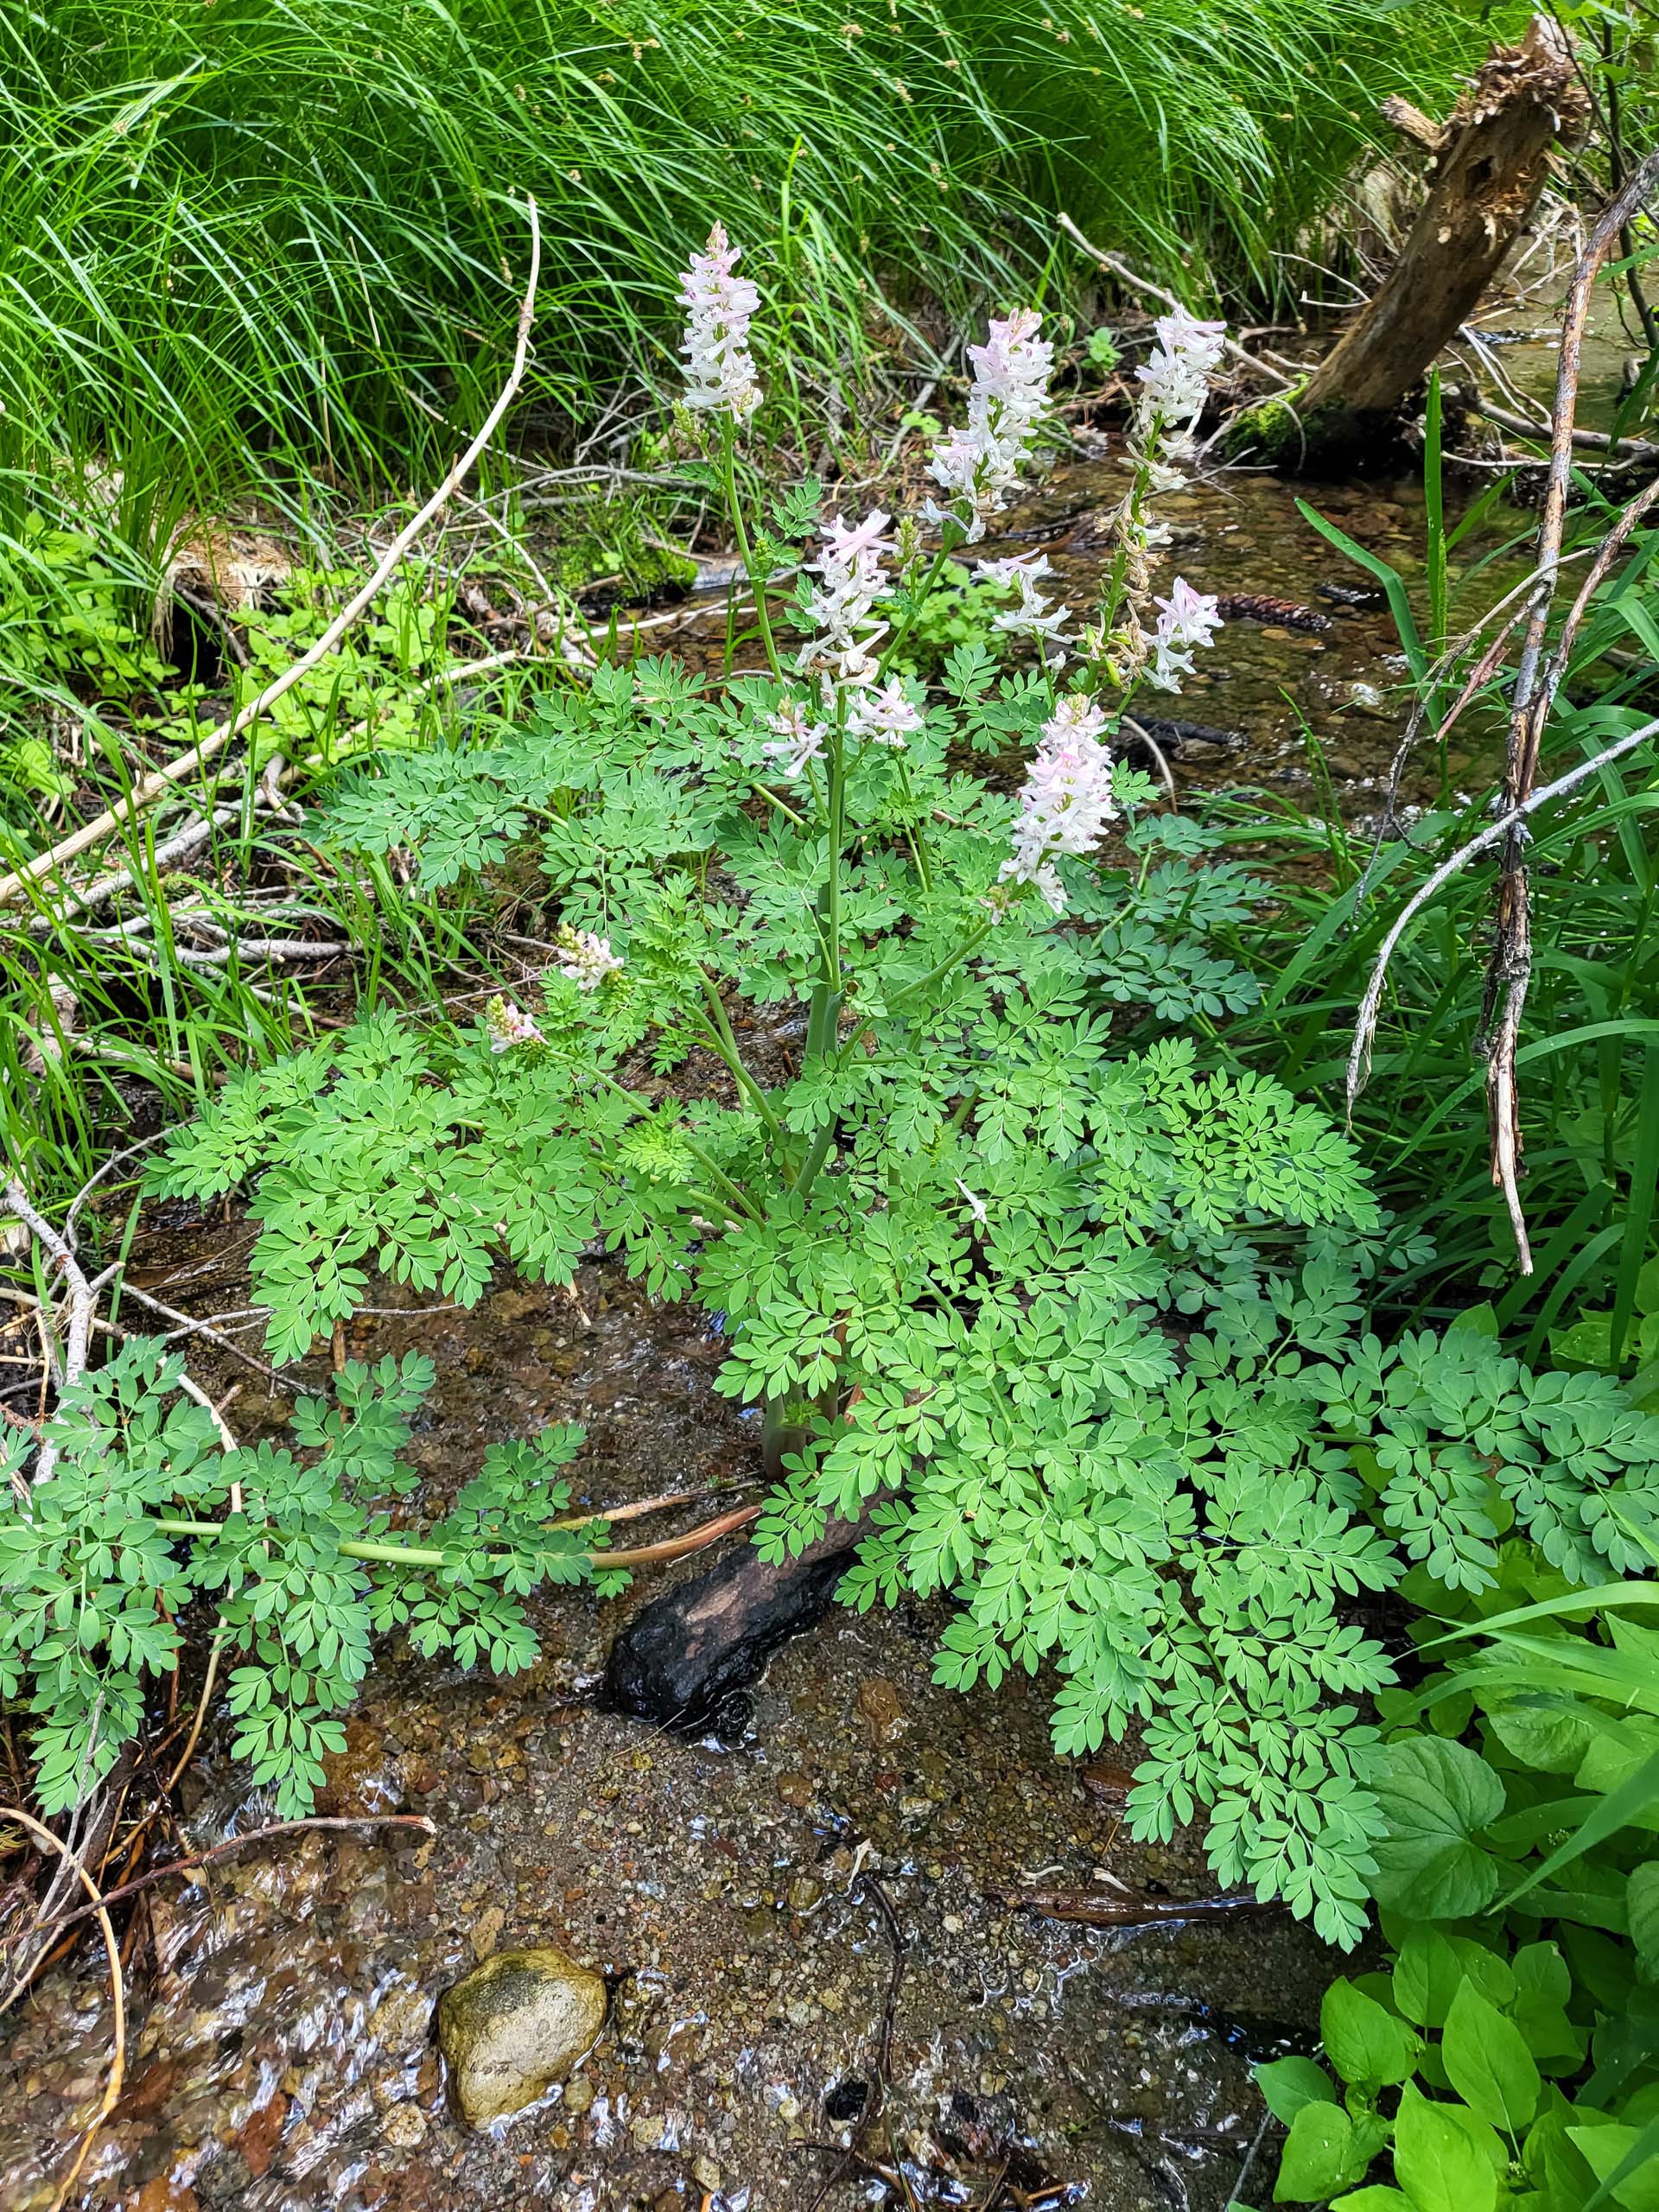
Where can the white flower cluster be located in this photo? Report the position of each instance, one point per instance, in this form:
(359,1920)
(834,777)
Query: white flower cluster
(1066,800)
(719,370)
(887,716)
(842,603)
(884,717)
(978,467)
(508,1025)
(1174,386)
(799,740)
(584,958)
(1186,619)
(1033,617)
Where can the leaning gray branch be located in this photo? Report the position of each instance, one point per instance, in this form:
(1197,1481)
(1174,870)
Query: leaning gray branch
(83,1299)
(1139,283)
(164,779)
(1359,1058)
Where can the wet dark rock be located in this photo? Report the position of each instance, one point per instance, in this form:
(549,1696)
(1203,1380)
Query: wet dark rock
(515,2025)
(1173,735)
(679,1661)
(846,2101)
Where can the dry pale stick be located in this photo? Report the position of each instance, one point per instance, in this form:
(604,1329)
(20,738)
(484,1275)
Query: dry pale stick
(164,778)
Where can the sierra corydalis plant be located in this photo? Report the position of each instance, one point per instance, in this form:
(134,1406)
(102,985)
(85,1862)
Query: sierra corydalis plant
(1067,1323)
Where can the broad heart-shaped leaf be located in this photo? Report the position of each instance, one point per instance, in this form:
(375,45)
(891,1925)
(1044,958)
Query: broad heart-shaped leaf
(1427,1975)
(1436,1798)
(1487,2062)
(1287,2084)
(1642,1904)
(1366,2044)
(1440,2166)
(1322,2156)
(1376,2198)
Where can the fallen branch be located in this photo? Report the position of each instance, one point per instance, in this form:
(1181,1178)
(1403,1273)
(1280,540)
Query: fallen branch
(195,1328)
(876,2101)
(83,1300)
(165,779)
(1094,1909)
(1138,284)
(1486,179)
(1588,441)
(239,1843)
(695,1540)
(119,2060)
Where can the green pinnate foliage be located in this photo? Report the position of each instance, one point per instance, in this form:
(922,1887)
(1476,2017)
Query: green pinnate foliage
(1068,1320)
(1076,1321)
(292,1549)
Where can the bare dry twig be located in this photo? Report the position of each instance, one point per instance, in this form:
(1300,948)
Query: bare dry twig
(1509,972)
(1137,283)
(83,1302)
(1359,1057)
(119,2060)
(166,778)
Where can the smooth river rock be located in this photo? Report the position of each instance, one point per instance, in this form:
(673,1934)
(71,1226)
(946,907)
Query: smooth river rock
(515,2025)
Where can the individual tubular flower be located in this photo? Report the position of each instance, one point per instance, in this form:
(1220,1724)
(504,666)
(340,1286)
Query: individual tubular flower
(719,370)
(842,604)
(976,1205)
(584,958)
(885,717)
(799,740)
(1187,620)
(1066,800)
(508,1025)
(976,467)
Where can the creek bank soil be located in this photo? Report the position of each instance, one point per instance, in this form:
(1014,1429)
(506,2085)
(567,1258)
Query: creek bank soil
(283,2048)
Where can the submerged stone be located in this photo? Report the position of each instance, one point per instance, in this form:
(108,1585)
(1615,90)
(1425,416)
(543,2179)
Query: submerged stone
(515,2025)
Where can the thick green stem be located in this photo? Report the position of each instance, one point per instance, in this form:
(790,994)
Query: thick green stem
(914,610)
(371,1555)
(745,552)
(812,1165)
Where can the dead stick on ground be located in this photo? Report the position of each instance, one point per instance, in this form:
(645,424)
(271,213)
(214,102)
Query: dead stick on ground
(118,2062)
(1138,284)
(883,2069)
(1509,972)
(1587,441)
(240,1843)
(82,1303)
(163,779)
(676,1547)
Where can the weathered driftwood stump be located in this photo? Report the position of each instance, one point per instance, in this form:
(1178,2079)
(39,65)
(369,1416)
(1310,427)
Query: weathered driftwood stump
(1488,165)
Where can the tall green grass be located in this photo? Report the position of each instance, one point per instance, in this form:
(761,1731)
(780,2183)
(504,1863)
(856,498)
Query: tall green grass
(263,231)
